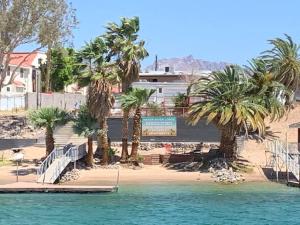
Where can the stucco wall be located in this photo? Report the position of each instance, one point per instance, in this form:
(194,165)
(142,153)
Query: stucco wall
(65,101)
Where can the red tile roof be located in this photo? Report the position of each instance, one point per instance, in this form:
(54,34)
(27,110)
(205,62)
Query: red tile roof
(18,83)
(17,57)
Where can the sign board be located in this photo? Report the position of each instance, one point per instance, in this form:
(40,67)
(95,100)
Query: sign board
(159,126)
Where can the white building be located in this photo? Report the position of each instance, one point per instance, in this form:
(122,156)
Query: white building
(26,75)
(165,91)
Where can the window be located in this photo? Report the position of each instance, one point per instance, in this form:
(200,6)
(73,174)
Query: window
(22,73)
(159,90)
(19,89)
(8,89)
(8,71)
(154,80)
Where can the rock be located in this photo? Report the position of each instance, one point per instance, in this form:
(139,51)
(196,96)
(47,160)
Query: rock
(222,173)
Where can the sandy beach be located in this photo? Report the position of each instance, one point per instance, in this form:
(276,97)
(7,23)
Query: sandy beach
(101,176)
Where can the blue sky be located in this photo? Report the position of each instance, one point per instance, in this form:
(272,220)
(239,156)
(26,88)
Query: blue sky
(218,30)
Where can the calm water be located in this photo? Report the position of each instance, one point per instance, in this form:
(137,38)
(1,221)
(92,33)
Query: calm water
(158,204)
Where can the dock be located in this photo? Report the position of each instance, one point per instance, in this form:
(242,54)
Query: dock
(293,184)
(26,187)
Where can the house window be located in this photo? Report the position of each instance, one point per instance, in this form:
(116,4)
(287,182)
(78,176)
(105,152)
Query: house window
(159,90)
(19,89)
(22,73)
(8,89)
(8,71)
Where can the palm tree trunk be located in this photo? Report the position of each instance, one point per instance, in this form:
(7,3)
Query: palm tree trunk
(104,140)
(227,145)
(136,135)
(49,140)
(124,155)
(89,158)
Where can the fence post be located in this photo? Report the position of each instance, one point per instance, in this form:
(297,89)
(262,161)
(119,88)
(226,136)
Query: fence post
(276,160)
(287,159)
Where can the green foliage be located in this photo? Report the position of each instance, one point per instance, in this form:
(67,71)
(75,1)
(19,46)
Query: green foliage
(48,117)
(181,100)
(155,109)
(284,62)
(63,66)
(271,92)
(229,101)
(112,152)
(124,46)
(85,124)
(135,98)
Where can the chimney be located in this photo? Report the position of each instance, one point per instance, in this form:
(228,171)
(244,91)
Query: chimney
(156,63)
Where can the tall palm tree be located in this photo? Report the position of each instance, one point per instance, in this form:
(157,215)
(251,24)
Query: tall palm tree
(128,51)
(85,125)
(99,75)
(48,118)
(284,61)
(229,104)
(134,100)
(100,101)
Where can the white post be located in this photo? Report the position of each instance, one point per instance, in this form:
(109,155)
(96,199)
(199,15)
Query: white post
(287,158)
(276,161)
(17,171)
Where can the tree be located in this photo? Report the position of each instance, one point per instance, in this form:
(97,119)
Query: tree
(85,125)
(48,118)
(25,22)
(99,74)
(63,67)
(134,100)
(272,93)
(181,100)
(284,62)
(230,104)
(128,51)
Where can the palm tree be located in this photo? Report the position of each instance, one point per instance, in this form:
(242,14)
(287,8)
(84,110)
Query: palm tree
(48,118)
(85,125)
(99,75)
(124,45)
(134,100)
(229,104)
(284,61)
(100,101)
(272,93)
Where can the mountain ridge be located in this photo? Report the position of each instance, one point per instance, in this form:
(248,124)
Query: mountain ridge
(187,64)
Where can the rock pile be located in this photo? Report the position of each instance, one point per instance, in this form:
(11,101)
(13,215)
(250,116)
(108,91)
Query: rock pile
(70,176)
(176,146)
(223,173)
(17,127)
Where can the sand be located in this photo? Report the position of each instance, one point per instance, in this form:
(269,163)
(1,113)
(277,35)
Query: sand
(100,176)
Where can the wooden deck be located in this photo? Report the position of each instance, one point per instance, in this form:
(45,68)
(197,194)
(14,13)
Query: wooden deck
(24,187)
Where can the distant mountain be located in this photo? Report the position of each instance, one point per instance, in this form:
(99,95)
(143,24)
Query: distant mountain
(188,64)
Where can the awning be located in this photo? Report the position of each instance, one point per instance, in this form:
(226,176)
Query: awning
(294,125)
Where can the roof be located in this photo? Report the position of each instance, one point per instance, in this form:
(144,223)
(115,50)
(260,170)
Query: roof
(17,57)
(18,83)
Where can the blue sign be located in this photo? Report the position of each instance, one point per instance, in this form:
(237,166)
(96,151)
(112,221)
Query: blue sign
(159,126)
